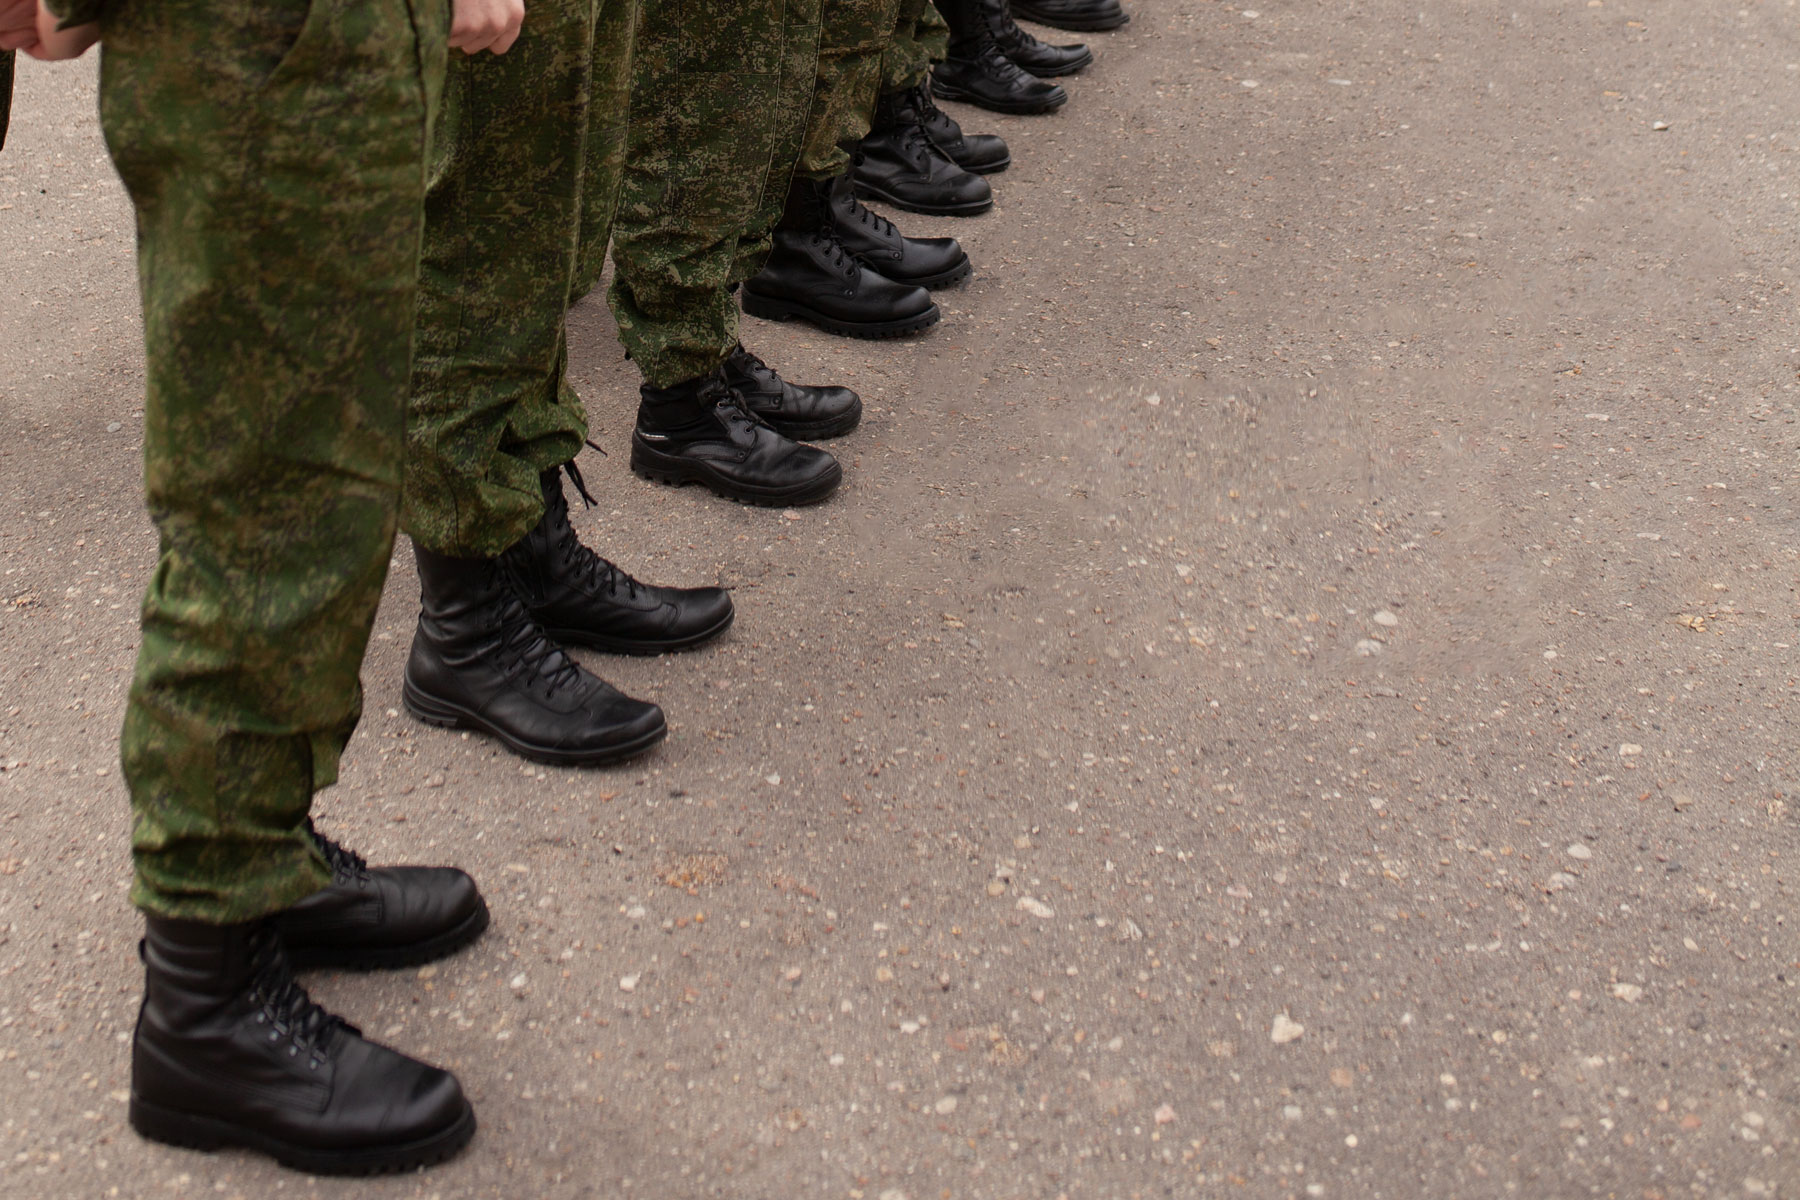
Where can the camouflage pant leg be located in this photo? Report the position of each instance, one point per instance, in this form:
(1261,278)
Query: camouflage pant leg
(920,39)
(275,154)
(853,41)
(609,119)
(791,122)
(490,410)
(720,90)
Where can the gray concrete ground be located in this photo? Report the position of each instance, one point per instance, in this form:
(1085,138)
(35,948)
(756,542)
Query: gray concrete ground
(1297,697)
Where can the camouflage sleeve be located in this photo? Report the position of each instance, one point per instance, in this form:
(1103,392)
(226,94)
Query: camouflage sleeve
(75,12)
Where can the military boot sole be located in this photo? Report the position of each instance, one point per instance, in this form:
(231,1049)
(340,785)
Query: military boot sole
(448,715)
(344,954)
(1069,68)
(675,470)
(770,308)
(593,639)
(951,91)
(969,208)
(192,1131)
(1026,12)
(956,274)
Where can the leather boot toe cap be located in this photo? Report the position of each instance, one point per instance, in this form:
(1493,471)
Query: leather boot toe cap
(701,609)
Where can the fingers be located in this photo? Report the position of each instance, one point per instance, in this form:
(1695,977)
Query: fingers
(486,25)
(18,24)
(515,23)
(55,45)
(61,45)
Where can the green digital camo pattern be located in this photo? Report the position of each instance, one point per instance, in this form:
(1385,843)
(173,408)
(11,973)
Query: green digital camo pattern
(865,47)
(920,39)
(491,406)
(853,40)
(800,72)
(719,100)
(609,119)
(275,154)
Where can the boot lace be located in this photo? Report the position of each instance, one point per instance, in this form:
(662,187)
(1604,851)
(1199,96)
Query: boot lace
(734,406)
(596,572)
(845,262)
(345,864)
(864,215)
(522,646)
(283,1005)
(994,59)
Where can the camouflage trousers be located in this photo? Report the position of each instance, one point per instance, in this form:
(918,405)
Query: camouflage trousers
(275,154)
(609,121)
(720,95)
(920,39)
(865,47)
(524,174)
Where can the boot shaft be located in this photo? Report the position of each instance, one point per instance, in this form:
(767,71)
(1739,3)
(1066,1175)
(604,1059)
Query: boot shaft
(451,589)
(803,212)
(194,970)
(532,562)
(974,21)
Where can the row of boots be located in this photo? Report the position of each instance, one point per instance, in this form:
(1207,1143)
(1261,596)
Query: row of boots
(229,1049)
(849,271)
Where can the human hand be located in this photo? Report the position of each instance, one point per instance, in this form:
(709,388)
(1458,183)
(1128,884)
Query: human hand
(18,24)
(27,25)
(478,25)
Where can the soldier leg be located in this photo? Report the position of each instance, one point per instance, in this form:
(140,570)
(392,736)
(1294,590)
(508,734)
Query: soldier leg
(720,92)
(821,211)
(609,121)
(920,39)
(986,58)
(494,422)
(278,175)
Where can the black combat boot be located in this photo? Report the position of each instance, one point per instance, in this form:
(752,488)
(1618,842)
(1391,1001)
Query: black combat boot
(872,238)
(380,916)
(898,162)
(797,411)
(479,661)
(977,71)
(811,275)
(582,600)
(702,432)
(1079,15)
(981,153)
(229,1051)
(1038,58)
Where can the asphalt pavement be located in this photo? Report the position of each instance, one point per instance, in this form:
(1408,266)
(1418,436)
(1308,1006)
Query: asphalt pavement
(1296,696)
